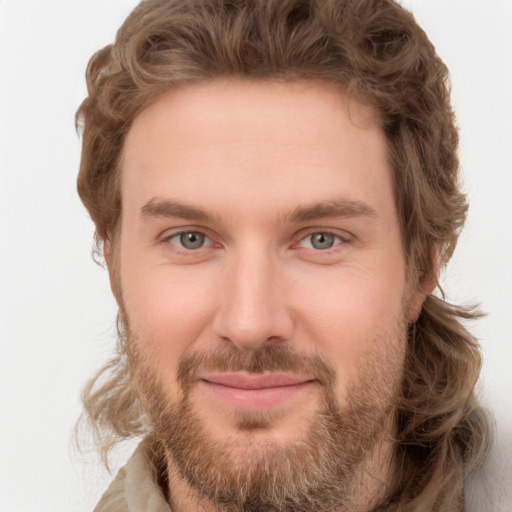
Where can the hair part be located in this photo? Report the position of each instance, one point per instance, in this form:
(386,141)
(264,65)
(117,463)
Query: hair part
(375,50)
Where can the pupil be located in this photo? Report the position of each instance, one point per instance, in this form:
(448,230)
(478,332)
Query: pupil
(322,241)
(192,240)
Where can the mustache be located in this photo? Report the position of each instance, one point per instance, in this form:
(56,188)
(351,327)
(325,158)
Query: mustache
(270,358)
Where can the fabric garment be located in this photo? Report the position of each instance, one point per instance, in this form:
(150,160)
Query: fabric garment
(136,488)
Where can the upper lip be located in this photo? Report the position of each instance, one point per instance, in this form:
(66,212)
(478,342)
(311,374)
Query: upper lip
(255,381)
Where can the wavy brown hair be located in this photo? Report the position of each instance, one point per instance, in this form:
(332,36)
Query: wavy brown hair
(374,50)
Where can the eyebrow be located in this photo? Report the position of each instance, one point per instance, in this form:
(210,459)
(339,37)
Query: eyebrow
(156,208)
(164,208)
(342,207)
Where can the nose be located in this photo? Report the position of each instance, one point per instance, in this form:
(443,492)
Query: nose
(252,308)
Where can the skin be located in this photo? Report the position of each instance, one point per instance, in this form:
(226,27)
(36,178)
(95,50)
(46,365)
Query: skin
(249,155)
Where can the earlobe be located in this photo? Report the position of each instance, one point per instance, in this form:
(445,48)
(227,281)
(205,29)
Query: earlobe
(417,303)
(108,254)
(426,285)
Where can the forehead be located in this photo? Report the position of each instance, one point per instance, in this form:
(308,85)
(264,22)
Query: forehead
(272,145)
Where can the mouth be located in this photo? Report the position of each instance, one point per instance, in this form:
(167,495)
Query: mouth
(256,392)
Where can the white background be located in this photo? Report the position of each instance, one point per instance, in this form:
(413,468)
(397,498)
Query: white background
(56,312)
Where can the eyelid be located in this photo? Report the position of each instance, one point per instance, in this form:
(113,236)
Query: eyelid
(307,243)
(342,235)
(166,236)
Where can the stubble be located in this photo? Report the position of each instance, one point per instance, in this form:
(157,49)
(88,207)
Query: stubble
(344,455)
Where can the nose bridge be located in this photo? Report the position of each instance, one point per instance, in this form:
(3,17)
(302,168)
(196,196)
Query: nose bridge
(252,308)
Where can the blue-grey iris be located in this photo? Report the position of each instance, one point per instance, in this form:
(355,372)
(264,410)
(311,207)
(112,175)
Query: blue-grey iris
(322,240)
(192,240)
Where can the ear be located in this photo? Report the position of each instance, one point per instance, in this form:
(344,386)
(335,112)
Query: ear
(427,284)
(112,267)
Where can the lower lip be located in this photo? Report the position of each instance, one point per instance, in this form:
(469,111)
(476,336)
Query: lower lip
(258,399)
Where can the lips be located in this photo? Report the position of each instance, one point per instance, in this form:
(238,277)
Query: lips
(248,381)
(248,391)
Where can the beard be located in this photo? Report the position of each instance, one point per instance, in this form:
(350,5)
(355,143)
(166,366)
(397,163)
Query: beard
(328,469)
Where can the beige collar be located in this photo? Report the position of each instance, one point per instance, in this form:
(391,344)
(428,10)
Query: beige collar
(135,487)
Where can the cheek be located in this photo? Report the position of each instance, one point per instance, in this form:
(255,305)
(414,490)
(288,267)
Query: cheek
(167,315)
(353,321)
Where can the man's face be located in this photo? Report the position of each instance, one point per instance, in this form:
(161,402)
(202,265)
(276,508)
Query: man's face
(261,273)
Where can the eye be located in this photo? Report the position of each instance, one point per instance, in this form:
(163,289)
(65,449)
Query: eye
(320,241)
(190,240)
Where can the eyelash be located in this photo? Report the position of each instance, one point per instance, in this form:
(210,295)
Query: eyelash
(167,239)
(338,240)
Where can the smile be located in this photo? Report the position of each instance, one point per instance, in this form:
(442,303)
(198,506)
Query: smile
(258,392)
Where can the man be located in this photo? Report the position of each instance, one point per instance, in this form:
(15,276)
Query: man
(274,189)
